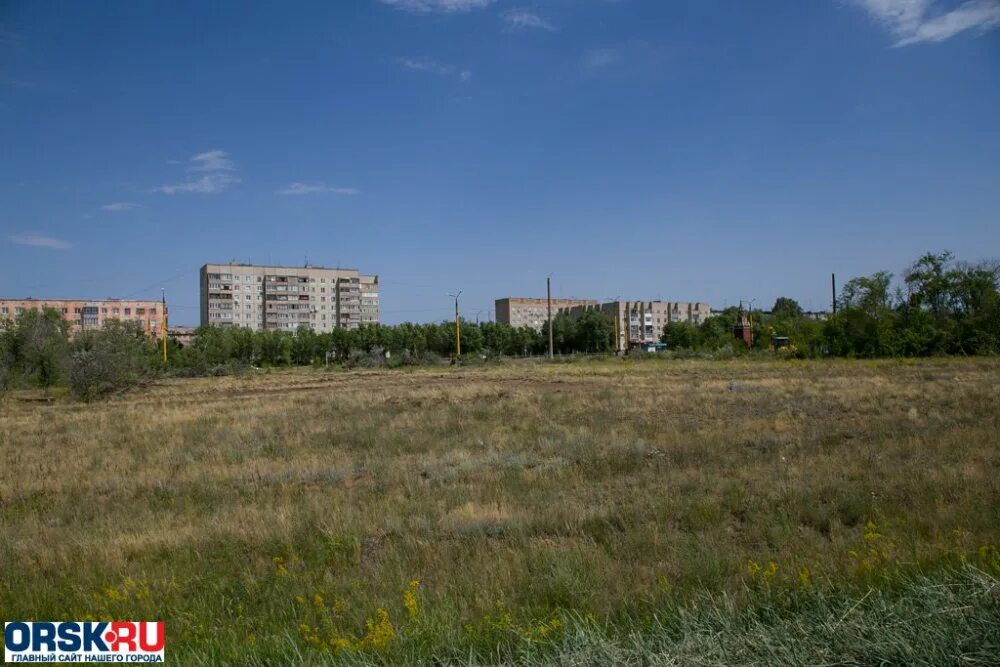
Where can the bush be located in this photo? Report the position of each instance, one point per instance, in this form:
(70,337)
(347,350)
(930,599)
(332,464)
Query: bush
(37,348)
(113,359)
(7,355)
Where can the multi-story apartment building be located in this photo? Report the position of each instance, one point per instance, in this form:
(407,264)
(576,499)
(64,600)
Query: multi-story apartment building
(529,312)
(635,321)
(284,297)
(84,315)
(639,322)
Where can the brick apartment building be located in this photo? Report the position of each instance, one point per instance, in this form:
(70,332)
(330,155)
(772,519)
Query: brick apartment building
(86,315)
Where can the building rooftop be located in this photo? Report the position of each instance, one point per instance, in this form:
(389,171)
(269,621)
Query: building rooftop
(105,299)
(281,266)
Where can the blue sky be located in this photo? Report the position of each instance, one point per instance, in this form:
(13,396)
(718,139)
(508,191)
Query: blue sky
(685,150)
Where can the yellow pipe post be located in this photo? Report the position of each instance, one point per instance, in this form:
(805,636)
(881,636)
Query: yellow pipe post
(164,334)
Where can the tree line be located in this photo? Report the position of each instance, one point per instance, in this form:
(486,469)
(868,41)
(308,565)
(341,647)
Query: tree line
(940,306)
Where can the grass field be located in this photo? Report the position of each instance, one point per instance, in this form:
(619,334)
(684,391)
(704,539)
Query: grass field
(600,511)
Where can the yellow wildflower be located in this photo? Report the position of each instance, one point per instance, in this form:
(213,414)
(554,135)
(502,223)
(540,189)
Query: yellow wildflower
(379,631)
(410,599)
(805,578)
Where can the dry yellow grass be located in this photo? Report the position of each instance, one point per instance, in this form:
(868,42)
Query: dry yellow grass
(594,487)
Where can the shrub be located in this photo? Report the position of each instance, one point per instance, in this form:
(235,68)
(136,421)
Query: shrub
(38,347)
(113,359)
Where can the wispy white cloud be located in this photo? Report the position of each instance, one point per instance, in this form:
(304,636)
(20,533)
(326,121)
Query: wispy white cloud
(217,169)
(434,67)
(315,188)
(39,241)
(599,58)
(437,6)
(915,21)
(521,19)
(629,56)
(213,160)
(210,184)
(120,206)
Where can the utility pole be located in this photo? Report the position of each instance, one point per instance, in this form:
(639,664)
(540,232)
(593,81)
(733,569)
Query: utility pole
(548,291)
(458,327)
(833,284)
(163,299)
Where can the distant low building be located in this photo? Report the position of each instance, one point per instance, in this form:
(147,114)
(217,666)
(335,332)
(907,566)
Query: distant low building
(182,335)
(817,315)
(88,315)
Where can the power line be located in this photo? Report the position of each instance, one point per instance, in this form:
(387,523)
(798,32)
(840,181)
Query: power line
(155,285)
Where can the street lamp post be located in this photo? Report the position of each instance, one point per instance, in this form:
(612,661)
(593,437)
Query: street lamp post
(458,326)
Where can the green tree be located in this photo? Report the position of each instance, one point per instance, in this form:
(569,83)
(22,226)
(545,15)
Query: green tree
(930,284)
(716,332)
(8,352)
(342,341)
(787,309)
(681,336)
(41,346)
(594,331)
(563,333)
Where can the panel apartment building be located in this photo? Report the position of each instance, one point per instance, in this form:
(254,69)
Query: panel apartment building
(529,312)
(635,321)
(283,298)
(643,321)
(84,315)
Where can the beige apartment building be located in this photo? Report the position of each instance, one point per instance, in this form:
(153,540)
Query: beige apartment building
(635,321)
(529,312)
(283,298)
(643,321)
(84,315)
